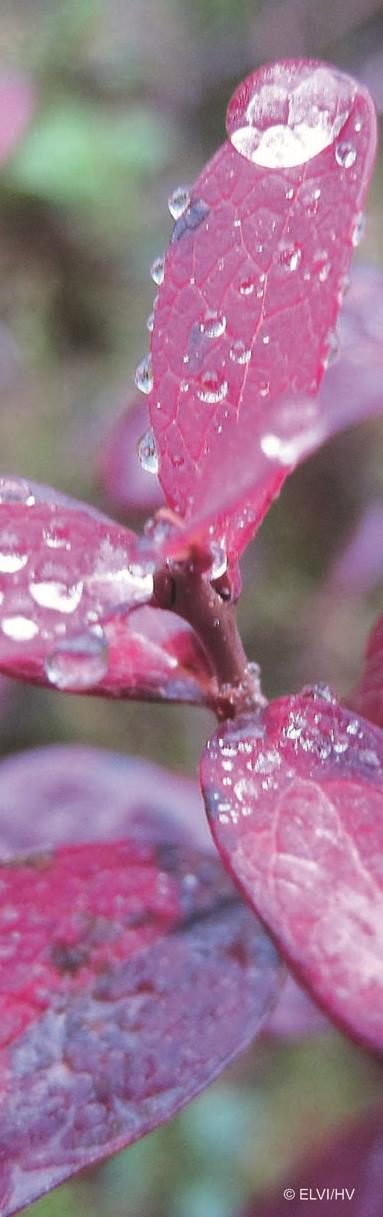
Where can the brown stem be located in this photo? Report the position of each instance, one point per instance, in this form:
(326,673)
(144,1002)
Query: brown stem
(184,590)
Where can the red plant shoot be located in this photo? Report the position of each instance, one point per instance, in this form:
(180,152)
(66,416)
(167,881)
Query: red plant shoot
(131,969)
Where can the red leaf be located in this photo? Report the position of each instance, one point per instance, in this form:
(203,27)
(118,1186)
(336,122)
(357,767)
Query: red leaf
(121,963)
(129,487)
(253,282)
(367,697)
(69,582)
(347,1171)
(154,655)
(294,796)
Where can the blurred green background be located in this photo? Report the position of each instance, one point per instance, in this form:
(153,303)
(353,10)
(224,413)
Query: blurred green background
(129,101)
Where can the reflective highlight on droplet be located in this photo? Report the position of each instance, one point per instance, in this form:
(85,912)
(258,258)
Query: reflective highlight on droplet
(147,452)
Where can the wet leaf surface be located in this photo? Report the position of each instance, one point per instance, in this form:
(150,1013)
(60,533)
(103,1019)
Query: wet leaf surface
(294,797)
(121,963)
(252,284)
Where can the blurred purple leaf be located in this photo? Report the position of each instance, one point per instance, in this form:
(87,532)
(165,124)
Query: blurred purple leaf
(359,565)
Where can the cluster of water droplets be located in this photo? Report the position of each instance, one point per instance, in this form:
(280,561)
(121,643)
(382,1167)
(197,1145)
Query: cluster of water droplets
(287,114)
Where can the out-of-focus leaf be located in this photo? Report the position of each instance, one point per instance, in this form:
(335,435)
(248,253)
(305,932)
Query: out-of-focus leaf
(346,1172)
(74,153)
(17,104)
(294,796)
(367,697)
(128,486)
(121,964)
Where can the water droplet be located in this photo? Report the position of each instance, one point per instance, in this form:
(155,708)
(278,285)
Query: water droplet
(359,229)
(16,490)
(157,270)
(144,376)
(150,322)
(19,628)
(290,256)
(57,594)
(147,452)
(286,114)
(264,388)
(79,663)
(345,155)
(12,553)
(239,352)
(290,193)
(213,325)
(212,388)
(332,350)
(246,286)
(179,201)
(266,339)
(219,560)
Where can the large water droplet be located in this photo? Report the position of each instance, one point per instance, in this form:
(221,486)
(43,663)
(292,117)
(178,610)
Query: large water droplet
(144,375)
(147,452)
(16,490)
(345,155)
(212,388)
(79,663)
(286,114)
(157,270)
(213,325)
(178,201)
(57,594)
(239,352)
(19,628)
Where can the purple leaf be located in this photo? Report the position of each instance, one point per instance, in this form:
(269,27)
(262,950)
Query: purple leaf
(121,964)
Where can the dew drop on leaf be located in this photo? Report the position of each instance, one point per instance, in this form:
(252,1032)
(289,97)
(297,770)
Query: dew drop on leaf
(359,229)
(345,155)
(285,114)
(150,322)
(55,593)
(179,201)
(290,257)
(19,628)
(213,325)
(13,555)
(144,376)
(157,270)
(219,560)
(239,352)
(15,490)
(332,351)
(212,388)
(78,663)
(147,452)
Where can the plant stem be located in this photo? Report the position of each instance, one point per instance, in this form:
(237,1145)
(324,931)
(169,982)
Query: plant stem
(182,588)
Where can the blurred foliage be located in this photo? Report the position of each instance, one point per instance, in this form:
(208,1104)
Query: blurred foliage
(129,99)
